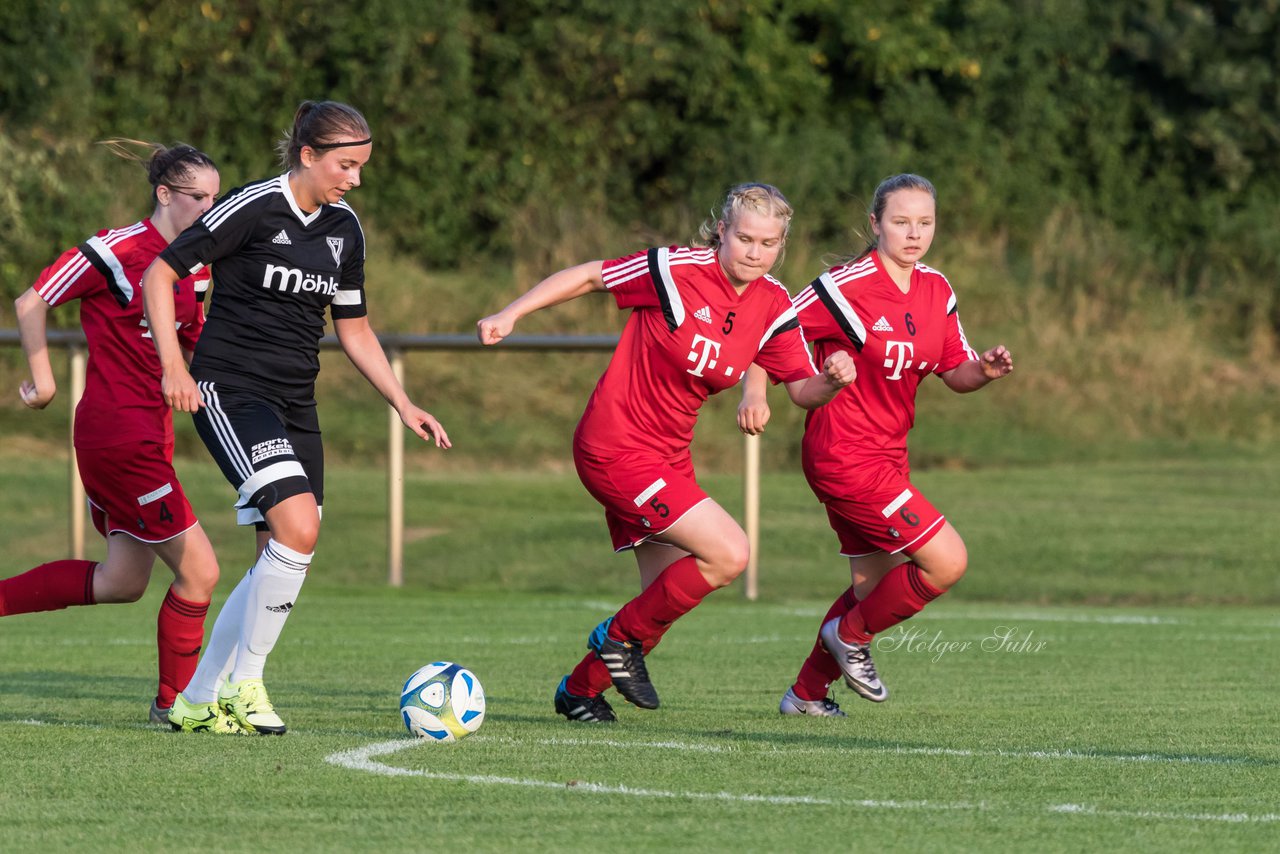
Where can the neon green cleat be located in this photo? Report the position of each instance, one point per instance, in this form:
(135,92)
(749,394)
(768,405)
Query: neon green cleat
(246,701)
(201,717)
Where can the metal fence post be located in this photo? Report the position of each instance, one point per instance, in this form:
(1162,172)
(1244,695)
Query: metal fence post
(76,369)
(395,483)
(751,497)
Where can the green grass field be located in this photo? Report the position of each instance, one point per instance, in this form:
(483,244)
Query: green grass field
(1104,678)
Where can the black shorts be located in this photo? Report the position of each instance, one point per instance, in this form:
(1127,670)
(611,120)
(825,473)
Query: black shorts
(268,449)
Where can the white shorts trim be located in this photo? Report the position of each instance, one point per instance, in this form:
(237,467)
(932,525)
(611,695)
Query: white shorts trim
(899,550)
(649,537)
(252,516)
(128,533)
(270,474)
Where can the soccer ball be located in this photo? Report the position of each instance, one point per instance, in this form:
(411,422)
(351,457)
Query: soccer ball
(442,702)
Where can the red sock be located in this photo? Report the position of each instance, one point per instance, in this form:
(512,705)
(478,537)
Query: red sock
(675,592)
(645,618)
(820,669)
(48,587)
(899,596)
(179,635)
(590,678)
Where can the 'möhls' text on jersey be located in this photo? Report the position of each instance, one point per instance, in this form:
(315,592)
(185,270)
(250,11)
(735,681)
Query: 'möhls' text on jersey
(276,269)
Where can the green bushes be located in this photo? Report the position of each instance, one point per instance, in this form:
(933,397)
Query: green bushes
(1109,173)
(504,127)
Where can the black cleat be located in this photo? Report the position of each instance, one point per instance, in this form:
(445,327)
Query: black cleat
(592,710)
(625,661)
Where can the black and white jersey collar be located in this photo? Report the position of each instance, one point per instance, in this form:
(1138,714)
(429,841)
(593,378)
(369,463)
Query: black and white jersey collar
(304,218)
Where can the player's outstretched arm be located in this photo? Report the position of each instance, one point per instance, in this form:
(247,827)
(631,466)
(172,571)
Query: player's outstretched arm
(976,373)
(33,322)
(837,372)
(563,286)
(365,352)
(753,411)
(176,384)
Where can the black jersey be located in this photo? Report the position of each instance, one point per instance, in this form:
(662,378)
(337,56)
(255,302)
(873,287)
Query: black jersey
(275,270)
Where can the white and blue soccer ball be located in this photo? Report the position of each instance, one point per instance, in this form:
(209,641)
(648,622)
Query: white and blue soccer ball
(442,702)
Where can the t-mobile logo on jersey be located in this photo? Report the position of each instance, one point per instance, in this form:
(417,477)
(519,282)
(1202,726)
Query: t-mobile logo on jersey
(898,357)
(285,279)
(704,353)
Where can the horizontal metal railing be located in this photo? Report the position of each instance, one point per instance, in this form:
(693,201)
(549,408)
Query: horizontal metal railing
(396,346)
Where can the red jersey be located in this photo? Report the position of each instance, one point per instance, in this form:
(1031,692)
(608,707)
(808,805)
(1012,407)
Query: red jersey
(896,339)
(122,402)
(689,336)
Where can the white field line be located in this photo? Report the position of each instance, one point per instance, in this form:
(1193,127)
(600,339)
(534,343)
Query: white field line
(589,742)
(96,642)
(86,725)
(543,640)
(998,753)
(1231,818)
(693,747)
(1031,616)
(1028,616)
(364,759)
(505,640)
(1036,617)
(608,607)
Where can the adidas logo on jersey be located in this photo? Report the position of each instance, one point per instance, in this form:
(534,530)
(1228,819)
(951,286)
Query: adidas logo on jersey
(882,325)
(703,314)
(281,609)
(282,239)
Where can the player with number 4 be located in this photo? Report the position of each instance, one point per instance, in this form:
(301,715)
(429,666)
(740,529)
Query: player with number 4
(123,428)
(699,318)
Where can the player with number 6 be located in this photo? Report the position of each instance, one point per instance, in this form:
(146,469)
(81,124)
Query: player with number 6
(899,318)
(699,318)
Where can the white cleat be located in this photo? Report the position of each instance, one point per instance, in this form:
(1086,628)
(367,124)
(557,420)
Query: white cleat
(855,663)
(824,708)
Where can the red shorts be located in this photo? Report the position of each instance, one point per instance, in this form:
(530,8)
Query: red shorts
(642,494)
(893,518)
(132,489)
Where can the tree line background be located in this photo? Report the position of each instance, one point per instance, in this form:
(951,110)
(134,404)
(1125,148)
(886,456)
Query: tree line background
(1112,159)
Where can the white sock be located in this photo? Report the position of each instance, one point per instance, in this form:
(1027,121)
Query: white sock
(273,588)
(220,651)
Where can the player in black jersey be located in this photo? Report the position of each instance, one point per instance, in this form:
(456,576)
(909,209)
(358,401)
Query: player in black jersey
(285,248)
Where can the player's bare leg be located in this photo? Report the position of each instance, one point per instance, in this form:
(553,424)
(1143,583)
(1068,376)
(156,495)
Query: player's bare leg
(891,588)
(710,550)
(124,575)
(944,559)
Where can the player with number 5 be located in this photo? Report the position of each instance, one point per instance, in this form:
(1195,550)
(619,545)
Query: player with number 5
(699,318)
